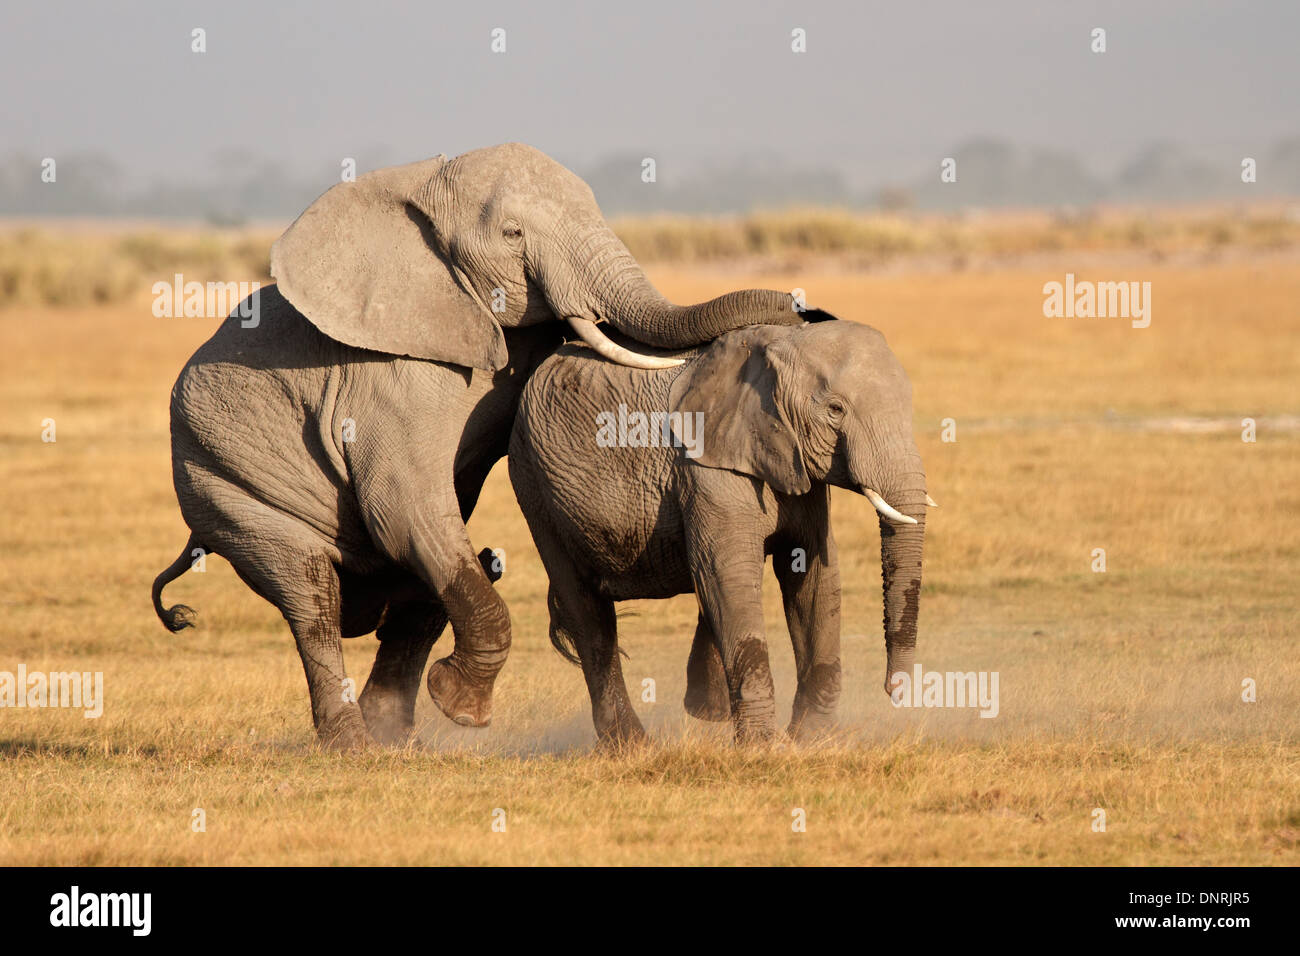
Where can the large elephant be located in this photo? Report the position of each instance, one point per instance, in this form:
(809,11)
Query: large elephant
(731,462)
(332,447)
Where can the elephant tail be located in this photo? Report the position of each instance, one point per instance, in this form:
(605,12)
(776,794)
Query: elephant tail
(178,617)
(563,642)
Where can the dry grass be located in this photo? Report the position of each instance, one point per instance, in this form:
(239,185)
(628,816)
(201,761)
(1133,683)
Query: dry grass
(868,239)
(96,264)
(1118,690)
(71,267)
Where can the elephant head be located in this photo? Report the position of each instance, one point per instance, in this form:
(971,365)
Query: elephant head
(825,402)
(432,259)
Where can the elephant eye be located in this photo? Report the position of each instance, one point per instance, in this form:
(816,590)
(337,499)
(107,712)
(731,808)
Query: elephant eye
(512,232)
(836,406)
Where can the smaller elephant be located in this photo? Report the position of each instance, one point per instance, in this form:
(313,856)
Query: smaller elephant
(649,484)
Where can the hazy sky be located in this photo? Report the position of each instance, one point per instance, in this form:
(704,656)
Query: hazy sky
(883,86)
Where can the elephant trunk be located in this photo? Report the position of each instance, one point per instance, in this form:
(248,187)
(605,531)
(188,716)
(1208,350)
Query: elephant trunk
(900,567)
(601,280)
(901,547)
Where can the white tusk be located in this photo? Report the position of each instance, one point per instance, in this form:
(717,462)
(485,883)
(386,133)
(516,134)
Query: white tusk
(885,508)
(603,346)
(930,502)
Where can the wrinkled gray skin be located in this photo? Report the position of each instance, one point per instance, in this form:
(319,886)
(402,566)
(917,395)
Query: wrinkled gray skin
(415,302)
(786,412)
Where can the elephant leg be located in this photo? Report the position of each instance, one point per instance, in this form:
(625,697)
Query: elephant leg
(589,621)
(727,567)
(461,683)
(408,661)
(307,594)
(407,635)
(409,631)
(275,557)
(316,628)
(420,527)
(707,697)
(811,596)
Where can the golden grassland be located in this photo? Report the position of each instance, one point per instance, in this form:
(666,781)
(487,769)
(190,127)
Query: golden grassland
(1118,690)
(89,263)
(867,238)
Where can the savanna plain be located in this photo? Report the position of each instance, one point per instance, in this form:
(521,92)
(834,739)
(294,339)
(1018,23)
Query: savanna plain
(1120,690)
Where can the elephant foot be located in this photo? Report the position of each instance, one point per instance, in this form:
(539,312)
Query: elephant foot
(707,697)
(343,731)
(621,732)
(388,718)
(613,745)
(708,702)
(760,737)
(810,725)
(815,704)
(755,725)
(466,702)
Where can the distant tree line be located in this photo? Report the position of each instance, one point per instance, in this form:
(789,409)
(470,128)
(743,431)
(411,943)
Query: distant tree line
(989,174)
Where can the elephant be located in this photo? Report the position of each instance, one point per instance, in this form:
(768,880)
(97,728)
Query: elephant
(332,446)
(730,460)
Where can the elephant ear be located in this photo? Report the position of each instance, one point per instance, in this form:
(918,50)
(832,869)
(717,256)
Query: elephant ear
(736,384)
(361,265)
